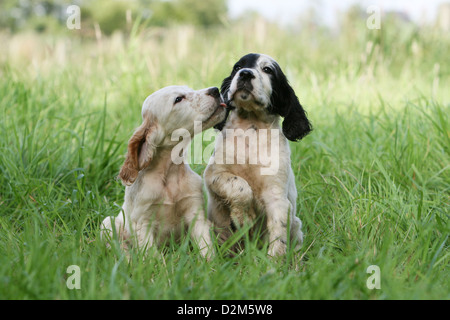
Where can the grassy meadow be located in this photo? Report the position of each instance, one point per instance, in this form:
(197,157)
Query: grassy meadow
(373,177)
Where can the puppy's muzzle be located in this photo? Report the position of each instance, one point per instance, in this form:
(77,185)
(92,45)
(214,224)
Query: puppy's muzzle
(246,75)
(244,80)
(213,92)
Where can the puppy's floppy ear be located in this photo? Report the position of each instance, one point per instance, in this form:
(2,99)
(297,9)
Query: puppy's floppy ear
(141,149)
(225,87)
(284,102)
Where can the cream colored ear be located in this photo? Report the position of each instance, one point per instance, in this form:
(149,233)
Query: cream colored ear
(141,149)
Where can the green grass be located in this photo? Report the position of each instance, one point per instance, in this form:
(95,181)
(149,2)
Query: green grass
(373,177)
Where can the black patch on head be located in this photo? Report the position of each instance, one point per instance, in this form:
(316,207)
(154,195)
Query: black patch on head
(247,61)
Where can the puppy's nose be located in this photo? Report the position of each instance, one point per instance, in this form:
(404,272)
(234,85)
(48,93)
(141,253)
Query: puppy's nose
(246,74)
(213,92)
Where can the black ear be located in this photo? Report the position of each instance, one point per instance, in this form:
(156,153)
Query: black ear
(224,88)
(284,102)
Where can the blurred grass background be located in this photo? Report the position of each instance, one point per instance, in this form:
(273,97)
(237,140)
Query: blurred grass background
(373,177)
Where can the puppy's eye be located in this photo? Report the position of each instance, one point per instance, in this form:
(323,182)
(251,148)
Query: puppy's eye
(178,99)
(267,70)
(237,68)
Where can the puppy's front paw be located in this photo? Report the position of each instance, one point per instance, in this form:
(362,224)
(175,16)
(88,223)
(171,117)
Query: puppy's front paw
(277,248)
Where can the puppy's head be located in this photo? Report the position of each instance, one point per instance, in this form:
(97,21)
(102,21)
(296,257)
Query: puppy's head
(257,83)
(163,112)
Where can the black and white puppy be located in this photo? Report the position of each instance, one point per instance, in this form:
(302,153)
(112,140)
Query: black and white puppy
(257,94)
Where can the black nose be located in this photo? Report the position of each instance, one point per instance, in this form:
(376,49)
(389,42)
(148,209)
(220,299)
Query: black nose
(213,92)
(246,74)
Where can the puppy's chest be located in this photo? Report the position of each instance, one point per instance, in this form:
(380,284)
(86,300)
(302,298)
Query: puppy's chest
(250,144)
(162,191)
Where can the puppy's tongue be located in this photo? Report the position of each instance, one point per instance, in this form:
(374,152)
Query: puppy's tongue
(223,105)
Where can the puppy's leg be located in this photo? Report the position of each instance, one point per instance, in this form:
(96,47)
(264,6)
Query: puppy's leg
(233,191)
(219,215)
(296,224)
(279,212)
(200,231)
(143,234)
(296,233)
(112,227)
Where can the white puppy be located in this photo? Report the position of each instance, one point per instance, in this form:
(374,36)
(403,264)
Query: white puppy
(163,198)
